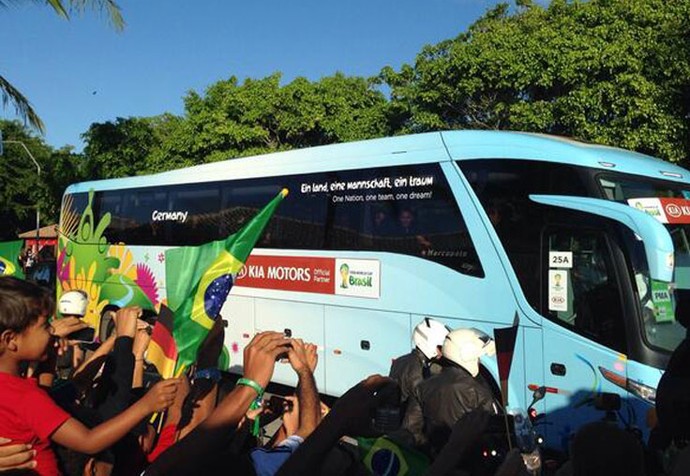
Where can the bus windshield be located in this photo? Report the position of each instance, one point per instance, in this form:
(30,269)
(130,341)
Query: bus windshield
(668,202)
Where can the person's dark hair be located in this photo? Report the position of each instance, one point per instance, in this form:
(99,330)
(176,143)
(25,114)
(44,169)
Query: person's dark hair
(22,303)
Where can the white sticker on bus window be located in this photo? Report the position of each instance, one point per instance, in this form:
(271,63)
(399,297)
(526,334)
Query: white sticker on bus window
(663,304)
(560,259)
(558,290)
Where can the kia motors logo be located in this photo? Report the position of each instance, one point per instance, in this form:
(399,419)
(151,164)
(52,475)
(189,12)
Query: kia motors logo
(673,210)
(242,273)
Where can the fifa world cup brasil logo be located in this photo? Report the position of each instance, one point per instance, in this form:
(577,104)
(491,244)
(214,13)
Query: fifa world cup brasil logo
(344,275)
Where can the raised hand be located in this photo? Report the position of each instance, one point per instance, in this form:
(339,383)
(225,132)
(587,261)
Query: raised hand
(65,326)
(161,395)
(312,356)
(142,338)
(291,417)
(126,321)
(260,356)
(300,356)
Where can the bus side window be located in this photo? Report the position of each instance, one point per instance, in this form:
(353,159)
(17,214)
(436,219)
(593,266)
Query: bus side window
(581,289)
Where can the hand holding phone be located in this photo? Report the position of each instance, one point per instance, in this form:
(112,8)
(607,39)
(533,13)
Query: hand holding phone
(83,336)
(66,326)
(278,405)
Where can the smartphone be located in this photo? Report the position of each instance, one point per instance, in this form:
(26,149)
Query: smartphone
(84,336)
(278,405)
(284,356)
(149,316)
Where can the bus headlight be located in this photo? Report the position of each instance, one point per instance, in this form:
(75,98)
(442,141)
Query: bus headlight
(640,390)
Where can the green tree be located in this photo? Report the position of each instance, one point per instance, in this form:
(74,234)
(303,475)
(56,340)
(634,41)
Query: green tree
(259,116)
(614,72)
(64,168)
(120,148)
(20,191)
(10,94)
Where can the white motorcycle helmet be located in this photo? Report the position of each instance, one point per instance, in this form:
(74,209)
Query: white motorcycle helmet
(73,303)
(466,346)
(429,335)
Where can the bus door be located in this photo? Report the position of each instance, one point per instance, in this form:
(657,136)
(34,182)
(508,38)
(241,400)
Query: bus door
(591,300)
(585,330)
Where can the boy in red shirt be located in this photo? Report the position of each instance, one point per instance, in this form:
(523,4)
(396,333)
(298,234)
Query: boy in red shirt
(27,414)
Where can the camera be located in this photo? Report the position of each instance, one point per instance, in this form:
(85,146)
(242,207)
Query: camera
(83,336)
(284,355)
(278,405)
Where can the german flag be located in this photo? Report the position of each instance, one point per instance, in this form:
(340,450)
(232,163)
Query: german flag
(505,347)
(162,351)
(199,280)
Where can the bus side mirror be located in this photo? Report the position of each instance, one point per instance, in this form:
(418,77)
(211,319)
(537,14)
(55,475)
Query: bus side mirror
(658,245)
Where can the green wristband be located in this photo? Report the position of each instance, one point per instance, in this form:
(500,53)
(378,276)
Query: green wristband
(252,384)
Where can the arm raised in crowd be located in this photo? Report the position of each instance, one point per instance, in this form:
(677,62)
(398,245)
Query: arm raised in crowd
(200,448)
(142,338)
(303,361)
(98,355)
(73,435)
(119,367)
(259,362)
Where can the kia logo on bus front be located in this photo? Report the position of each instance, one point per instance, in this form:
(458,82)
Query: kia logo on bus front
(673,210)
(169,216)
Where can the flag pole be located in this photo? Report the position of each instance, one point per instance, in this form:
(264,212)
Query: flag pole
(505,346)
(505,418)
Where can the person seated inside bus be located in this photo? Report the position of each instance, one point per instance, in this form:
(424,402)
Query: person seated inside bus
(381,223)
(408,231)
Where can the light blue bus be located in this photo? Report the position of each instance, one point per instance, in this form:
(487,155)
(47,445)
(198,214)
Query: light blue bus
(583,243)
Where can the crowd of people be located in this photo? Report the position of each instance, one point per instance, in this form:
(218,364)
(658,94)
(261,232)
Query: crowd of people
(75,409)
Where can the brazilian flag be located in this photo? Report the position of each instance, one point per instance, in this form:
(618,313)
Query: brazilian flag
(200,278)
(383,457)
(9,259)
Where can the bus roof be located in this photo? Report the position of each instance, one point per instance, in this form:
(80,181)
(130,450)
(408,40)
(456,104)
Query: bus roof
(409,149)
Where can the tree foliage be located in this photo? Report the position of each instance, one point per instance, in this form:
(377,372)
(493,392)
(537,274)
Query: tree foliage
(233,120)
(257,116)
(22,189)
(608,71)
(120,148)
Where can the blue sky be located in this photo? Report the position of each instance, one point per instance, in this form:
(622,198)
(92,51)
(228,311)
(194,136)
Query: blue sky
(83,71)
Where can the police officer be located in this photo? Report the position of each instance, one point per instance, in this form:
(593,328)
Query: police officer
(410,369)
(440,401)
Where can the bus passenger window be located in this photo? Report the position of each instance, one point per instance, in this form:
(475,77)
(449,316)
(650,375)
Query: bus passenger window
(585,296)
